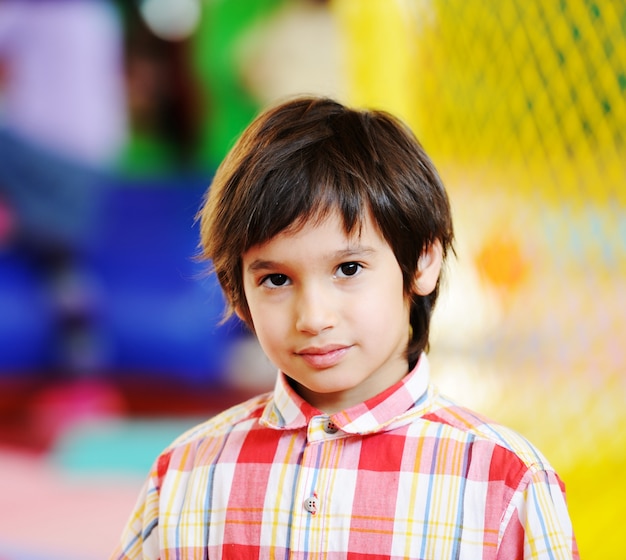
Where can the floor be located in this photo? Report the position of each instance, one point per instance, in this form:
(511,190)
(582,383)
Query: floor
(73,458)
(50,514)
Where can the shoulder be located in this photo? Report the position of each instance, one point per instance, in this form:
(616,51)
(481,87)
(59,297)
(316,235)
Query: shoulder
(202,444)
(505,443)
(238,417)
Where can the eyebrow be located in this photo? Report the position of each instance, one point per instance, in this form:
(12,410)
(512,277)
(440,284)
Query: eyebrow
(342,255)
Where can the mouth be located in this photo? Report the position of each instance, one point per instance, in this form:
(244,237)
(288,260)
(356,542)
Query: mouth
(324,357)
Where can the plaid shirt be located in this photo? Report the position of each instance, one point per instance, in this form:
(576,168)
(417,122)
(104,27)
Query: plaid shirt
(408,474)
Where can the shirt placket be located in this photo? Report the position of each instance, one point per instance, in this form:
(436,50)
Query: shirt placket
(309,530)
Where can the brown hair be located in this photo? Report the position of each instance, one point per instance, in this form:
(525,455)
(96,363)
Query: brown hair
(308,156)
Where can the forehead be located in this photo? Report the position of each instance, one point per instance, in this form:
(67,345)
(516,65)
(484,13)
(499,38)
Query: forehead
(316,236)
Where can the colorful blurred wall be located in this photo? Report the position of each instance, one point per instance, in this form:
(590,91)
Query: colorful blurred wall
(522,105)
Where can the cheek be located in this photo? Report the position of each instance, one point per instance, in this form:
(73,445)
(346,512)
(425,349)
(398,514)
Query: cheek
(248,312)
(388,301)
(273,338)
(383,321)
(269,323)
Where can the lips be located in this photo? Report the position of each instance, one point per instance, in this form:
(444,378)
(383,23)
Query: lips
(324,357)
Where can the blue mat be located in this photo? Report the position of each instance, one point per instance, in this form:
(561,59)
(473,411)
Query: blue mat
(116,447)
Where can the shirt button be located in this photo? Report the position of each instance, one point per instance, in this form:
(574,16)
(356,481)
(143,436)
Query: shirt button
(311,504)
(330,427)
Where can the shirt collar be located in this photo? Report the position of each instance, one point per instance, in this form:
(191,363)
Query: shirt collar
(288,411)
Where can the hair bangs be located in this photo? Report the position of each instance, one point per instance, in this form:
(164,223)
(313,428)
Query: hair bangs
(306,188)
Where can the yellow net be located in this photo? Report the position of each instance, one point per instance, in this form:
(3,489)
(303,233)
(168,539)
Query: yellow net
(522,105)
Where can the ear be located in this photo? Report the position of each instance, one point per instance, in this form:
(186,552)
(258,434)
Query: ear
(428,269)
(241,314)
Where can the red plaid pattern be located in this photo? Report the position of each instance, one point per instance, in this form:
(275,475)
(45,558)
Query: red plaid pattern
(407,474)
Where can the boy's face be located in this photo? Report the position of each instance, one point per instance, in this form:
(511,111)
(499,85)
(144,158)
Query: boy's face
(330,311)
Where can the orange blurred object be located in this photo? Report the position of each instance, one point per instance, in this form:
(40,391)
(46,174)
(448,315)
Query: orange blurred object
(502,262)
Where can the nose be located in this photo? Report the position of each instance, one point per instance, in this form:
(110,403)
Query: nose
(315,310)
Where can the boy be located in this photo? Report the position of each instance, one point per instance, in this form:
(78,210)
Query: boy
(327,228)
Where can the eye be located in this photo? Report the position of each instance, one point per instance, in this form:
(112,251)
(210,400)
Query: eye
(348,269)
(275,280)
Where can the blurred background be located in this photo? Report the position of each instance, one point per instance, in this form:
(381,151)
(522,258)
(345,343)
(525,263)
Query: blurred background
(113,117)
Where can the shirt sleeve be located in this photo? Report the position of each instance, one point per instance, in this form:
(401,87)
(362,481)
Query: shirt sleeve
(140,537)
(537,524)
